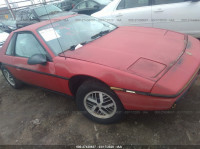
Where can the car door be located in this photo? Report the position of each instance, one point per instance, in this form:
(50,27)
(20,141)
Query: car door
(178,15)
(25,46)
(133,13)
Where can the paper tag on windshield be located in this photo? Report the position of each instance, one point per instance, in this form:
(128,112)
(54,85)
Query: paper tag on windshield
(49,34)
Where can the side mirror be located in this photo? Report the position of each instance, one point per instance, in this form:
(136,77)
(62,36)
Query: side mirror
(37,59)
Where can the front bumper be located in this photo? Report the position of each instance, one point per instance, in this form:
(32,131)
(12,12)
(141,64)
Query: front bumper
(134,101)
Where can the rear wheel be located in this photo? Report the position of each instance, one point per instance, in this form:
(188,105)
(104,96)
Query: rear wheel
(99,103)
(11,79)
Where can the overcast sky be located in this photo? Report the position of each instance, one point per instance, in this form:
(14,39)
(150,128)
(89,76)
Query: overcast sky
(2,2)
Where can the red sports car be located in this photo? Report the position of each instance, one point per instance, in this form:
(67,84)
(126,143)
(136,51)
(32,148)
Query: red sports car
(108,69)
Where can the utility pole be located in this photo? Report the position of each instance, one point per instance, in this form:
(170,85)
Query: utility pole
(10,9)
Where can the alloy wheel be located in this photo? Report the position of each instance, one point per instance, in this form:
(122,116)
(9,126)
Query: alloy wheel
(9,77)
(100,104)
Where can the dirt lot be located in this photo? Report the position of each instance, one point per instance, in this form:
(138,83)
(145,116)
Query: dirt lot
(34,116)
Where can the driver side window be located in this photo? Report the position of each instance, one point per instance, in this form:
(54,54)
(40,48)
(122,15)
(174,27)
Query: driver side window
(161,2)
(27,46)
(91,4)
(125,4)
(81,6)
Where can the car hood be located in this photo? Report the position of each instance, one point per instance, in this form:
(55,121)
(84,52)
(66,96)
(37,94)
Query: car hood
(134,49)
(60,14)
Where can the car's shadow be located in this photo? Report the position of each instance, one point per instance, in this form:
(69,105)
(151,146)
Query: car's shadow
(60,121)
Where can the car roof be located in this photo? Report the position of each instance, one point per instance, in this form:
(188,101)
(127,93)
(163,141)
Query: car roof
(35,26)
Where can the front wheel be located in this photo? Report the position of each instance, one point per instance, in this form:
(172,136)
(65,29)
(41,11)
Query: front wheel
(99,103)
(11,79)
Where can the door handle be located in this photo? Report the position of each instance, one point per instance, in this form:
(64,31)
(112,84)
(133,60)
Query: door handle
(159,10)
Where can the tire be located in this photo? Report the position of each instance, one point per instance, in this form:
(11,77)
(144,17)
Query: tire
(12,81)
(99,103)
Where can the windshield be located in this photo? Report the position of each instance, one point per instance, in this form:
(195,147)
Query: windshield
(73,31)
(46,9)
(103,2)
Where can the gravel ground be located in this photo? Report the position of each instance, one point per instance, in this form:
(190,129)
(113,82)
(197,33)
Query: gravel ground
(37,117)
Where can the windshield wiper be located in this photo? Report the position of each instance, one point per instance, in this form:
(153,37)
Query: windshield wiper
(73,47)
(100,34)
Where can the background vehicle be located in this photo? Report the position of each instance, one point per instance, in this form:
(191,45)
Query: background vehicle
(5,28)
(65,5)
(74,2)
(90,6)
(39,13)
(179,15)
(88,59)
(3,37)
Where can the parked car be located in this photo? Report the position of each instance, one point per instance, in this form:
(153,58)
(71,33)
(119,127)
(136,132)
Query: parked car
(107,68)
(75,2)
(179,15)
(5,28)
(90,6)
(65,5)
(36,14)
(3,37)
